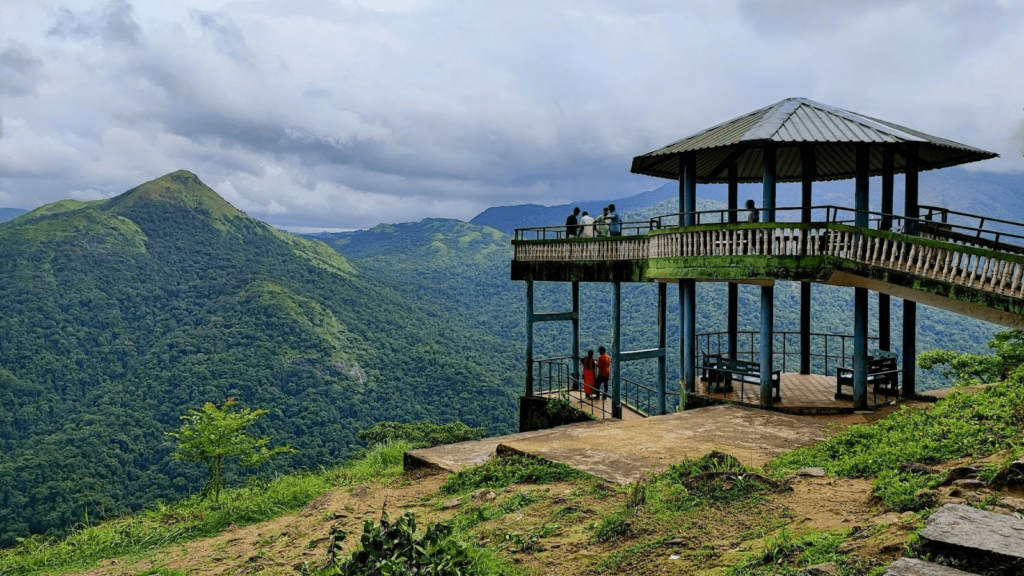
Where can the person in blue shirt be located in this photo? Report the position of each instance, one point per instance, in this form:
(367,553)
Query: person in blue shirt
(614,222)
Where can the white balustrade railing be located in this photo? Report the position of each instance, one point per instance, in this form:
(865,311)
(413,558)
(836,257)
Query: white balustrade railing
(955,263)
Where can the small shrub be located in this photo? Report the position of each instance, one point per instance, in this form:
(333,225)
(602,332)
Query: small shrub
(782,554)
(393,548)
(902,491)
(502,472)
(613,527)
(421,434)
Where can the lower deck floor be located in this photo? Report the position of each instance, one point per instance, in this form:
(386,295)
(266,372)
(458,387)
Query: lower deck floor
(801,394)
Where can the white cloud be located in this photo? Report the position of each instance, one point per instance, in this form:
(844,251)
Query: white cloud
(345,114)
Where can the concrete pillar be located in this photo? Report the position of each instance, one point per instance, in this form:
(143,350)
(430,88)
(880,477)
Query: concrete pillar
(662,330)
(767,292)
(616,350)
(529,337)
(576,336)
(912,210)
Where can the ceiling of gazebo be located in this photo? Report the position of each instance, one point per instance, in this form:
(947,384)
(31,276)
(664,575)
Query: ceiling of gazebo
(794,123)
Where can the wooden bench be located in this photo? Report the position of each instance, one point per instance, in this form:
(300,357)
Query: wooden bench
(744,372)
(883,375)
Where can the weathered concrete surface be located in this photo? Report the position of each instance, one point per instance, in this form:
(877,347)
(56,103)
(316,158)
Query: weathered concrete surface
(976,539)
(454,457)
(622,451)
(915,567)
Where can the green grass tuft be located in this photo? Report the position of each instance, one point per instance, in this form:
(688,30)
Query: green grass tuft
(502,472)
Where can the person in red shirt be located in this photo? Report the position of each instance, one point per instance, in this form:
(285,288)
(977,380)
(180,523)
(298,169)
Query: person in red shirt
(604,370)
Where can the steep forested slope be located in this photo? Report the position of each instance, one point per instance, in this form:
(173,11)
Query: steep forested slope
(117,316)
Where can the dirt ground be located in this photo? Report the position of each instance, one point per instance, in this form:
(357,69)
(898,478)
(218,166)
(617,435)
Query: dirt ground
(568,510)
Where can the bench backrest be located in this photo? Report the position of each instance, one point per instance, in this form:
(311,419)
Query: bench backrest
(882,364)
(741,366)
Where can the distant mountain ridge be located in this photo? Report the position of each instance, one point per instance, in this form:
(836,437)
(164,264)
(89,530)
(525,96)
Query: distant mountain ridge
(994,194)
(10,213)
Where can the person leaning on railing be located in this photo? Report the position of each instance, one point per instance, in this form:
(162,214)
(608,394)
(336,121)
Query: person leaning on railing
(614,222)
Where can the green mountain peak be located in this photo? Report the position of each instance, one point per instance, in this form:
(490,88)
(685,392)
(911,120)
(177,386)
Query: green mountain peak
(181,188)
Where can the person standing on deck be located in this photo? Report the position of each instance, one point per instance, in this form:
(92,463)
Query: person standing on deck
(570,223)
(601,228)
(604,371)
(587,225)
(589,367)
(754,217)
(614,222)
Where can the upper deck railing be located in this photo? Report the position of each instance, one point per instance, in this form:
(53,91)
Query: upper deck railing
(985,254)
(972,229)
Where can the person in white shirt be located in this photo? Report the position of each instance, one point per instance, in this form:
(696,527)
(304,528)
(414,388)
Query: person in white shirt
(587,226)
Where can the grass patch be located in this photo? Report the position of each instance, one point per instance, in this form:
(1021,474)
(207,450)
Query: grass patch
(958,426)
(784,554)
(195,517)
(503,472)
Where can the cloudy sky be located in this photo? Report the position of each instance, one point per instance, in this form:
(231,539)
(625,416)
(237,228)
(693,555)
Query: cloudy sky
(339,114)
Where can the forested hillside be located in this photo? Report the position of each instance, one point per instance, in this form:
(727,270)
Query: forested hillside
(118,316)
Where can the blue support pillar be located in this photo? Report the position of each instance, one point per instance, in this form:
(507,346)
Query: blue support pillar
(912,210)
(576,336)
(768,292)
(860,348)
(768,184)
(860,295)
(529,337)
(808,173)
(688,293)
(688,187)
(688,288)
(616,350)
(662,331)
(767,345)
(884,302)
(732,311)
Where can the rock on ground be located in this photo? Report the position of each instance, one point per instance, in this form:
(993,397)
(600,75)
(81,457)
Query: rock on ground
(915,567)
(975,540)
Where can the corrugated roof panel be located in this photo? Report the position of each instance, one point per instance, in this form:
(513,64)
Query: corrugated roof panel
(798,120)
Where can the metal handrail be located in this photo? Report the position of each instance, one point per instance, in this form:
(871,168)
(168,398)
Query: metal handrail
(629,229)
(750,353)
(559,380)
(818,214)
(896,223)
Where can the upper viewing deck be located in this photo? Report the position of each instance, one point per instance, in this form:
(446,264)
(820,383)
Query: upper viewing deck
(970,264)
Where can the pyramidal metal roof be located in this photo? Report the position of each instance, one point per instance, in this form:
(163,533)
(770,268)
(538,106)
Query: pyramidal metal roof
(792,124)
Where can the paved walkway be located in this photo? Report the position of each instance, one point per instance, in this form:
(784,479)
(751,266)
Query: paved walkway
(622,451)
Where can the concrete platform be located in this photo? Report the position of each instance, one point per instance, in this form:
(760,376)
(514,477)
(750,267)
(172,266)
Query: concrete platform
(621,451)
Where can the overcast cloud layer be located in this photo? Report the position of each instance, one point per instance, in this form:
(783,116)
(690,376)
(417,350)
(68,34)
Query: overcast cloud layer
(343,114)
